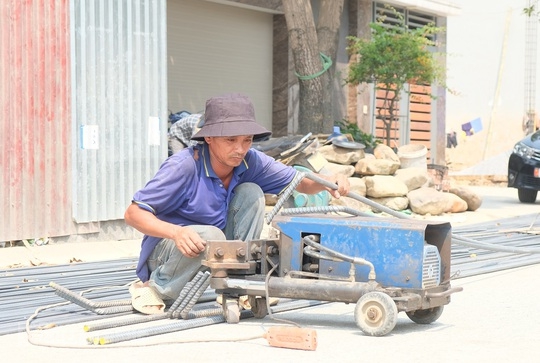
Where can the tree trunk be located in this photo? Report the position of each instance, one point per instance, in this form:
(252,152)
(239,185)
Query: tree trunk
(314,92)
(328,36)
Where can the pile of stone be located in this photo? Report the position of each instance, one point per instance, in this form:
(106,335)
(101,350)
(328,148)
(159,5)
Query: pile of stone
(379,176)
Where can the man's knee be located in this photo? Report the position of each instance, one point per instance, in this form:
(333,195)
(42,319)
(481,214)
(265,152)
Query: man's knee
(249,192)
(209,232)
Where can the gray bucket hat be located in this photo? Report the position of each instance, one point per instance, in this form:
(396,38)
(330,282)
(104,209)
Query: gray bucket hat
(230,115)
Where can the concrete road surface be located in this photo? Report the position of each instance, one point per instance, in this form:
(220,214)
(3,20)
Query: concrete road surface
(494,319)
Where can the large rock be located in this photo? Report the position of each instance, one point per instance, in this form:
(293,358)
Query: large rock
(413,177)
(456,204)
(395,203)
(376,167)
(358,185)
(333,168)
(384,152)
(380,186)
(341,155)
(351,203)
(428,201)
(473,200)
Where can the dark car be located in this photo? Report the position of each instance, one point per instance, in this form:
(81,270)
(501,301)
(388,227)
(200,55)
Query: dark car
(524,168)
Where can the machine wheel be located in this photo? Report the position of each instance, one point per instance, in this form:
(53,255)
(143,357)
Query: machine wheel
(258,307)
(376,313)
(425,316)
(231,310)
(527,195)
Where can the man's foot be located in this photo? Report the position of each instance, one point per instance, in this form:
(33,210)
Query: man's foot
(145,299)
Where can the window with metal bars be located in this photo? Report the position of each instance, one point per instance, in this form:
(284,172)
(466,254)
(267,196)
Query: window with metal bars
(419,109)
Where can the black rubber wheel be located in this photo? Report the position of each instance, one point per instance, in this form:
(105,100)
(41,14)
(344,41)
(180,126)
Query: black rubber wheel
(527,195)
(426,316)
(258,307)
(376,313)
(231,310)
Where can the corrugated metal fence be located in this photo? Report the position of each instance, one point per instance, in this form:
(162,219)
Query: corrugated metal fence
(82,110)
(119,92)
(35,119)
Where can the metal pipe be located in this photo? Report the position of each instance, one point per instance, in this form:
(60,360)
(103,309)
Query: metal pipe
(336,291)
(310,289)
(450,291)
(325,209)
(309,240)
(356,196)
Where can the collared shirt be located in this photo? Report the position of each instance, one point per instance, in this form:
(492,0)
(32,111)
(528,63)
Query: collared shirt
(186,191)
(183,129)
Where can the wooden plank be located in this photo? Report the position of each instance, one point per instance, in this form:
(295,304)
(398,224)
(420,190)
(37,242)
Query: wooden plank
(420,116)
(420,107)
(420,126)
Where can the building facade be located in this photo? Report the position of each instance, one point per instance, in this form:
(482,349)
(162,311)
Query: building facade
(86,88)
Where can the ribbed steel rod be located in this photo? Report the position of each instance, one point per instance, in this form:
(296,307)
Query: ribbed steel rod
(184,292)
(284,196)
(194,288)
(192,323)
(84,302)
(193,300)
(195,314)
(131,320)
(176,325)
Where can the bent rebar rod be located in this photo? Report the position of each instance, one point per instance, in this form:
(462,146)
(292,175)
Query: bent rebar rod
(98,307)
(286,194)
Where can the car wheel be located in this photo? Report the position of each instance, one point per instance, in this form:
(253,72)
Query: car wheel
(527,195)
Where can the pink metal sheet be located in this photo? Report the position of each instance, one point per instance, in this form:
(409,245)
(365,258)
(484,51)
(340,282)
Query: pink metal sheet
(35,119)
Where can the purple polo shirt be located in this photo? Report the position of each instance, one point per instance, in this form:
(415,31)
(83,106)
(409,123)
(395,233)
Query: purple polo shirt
(186,191)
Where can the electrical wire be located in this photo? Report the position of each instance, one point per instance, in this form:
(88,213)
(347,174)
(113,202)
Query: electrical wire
(267,298)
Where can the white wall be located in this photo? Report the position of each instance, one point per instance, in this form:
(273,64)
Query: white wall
(485,65)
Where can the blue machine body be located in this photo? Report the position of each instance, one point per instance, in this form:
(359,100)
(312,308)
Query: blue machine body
(396,247)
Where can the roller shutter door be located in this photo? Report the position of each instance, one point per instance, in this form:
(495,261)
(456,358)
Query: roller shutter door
(214,49)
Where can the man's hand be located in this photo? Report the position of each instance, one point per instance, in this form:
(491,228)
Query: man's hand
(188,241)
(343,185)
(309,186)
